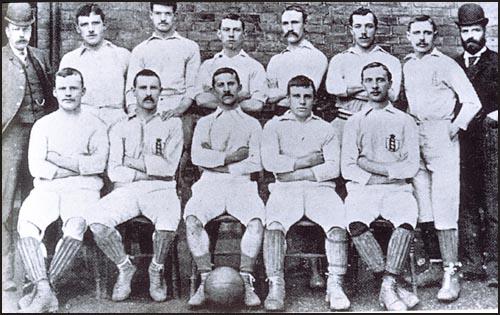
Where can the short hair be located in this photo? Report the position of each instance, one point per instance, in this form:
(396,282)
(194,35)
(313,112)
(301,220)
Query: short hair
(225,70)
(234,17)
(302,81)
(298,8)
(86,9)
(67,72)
(376,65)
(363,11)
(172,4)
(422,18)
(146,73)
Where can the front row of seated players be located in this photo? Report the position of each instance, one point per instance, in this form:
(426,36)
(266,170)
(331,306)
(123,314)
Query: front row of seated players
(300,148)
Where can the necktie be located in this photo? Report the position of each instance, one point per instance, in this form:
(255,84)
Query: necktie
(22,56)
(472,60)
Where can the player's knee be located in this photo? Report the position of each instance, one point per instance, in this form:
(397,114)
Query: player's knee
(273,226)
(28,229)
(99,230)
(75,228)
(406,226)
(336,232)
(357,228)
(193,223)
(255,226)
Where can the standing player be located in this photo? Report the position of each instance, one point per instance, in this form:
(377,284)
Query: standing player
(226,144)
(379,153)
(303,152)
(144,155)
(433,84)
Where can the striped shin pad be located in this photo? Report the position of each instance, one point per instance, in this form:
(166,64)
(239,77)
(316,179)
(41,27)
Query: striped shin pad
(32,258)
(397,250)
(370,251)
(64,256)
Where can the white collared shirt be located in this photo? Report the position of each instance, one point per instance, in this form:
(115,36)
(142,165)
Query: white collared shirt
(345,69)
(175,59)
(104,72)
(251,73)
(225,131)
(467,55)
(22,55)
(432,85)
(303,60)
(285,139)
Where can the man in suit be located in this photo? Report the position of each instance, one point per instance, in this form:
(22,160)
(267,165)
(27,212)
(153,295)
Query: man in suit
(481,66)
(26,97)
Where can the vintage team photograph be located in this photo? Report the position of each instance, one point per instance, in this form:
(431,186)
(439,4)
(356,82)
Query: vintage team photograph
(249,157)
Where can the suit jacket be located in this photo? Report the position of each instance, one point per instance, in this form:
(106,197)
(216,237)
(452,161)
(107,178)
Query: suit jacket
(14,82)
(484,78)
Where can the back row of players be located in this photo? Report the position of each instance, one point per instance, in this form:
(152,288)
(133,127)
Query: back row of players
(380,152)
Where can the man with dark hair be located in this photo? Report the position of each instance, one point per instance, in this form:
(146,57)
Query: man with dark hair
(252,74)
(26,97)
(379,154)
(481,66)
(143,159)
(298,50)
(344,71)
(226,145)
(68,150)
(433,84)
(303,152)
(103,65)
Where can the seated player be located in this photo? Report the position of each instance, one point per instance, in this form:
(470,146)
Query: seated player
(67,152)
(303,152)
(226,145)
(143,159)
(379,153)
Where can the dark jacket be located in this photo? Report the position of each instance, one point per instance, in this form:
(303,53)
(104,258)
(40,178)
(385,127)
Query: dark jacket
(14,82)
(484,78)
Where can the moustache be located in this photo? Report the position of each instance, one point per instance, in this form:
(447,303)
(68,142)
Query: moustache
(472,41)
(148,98)
(22,41)
(291,33)
(227,94)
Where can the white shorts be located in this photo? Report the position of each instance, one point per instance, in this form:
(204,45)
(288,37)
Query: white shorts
(289,202)
(393,202)
(216,194)
(156,200)
(42,207)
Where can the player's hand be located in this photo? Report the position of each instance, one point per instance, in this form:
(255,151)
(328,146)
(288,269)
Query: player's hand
(286,177)
(238,155)
(244,96)
(206,145)
(52,155)
(379,179)
(453,130)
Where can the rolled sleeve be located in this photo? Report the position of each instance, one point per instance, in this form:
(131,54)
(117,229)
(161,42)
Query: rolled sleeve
(272,160)
(205,157)
(95,162)
(192,67)
(350,154)
(135,65)
(330,169)
(407,168)
(37,153)
(258,84)
(253,162)
(397,75)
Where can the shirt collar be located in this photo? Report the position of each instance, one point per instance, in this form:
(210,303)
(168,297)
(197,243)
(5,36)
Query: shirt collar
(288,115)
(219,111)
(175,35)
(303,44)
(389,108)
(105,43)
(221,54)
(134,116)
(17,53)
(376,48)
(478,54)
(435,53)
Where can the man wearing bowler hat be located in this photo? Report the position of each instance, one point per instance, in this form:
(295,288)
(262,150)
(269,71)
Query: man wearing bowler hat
(26,97)
(481,66)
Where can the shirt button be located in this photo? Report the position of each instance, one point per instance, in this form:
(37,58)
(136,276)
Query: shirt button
(21,87)
(18,103)
(21,71)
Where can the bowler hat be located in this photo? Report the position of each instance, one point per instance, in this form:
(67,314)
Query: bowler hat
(471,14)
(20,14)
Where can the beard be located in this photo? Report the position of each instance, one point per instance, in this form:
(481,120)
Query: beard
(472,46)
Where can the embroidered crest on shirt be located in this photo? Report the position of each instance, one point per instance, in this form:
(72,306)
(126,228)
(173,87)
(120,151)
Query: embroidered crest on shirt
(158,147)
(392,144)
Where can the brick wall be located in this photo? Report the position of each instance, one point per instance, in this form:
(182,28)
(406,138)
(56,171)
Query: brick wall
(129,24)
